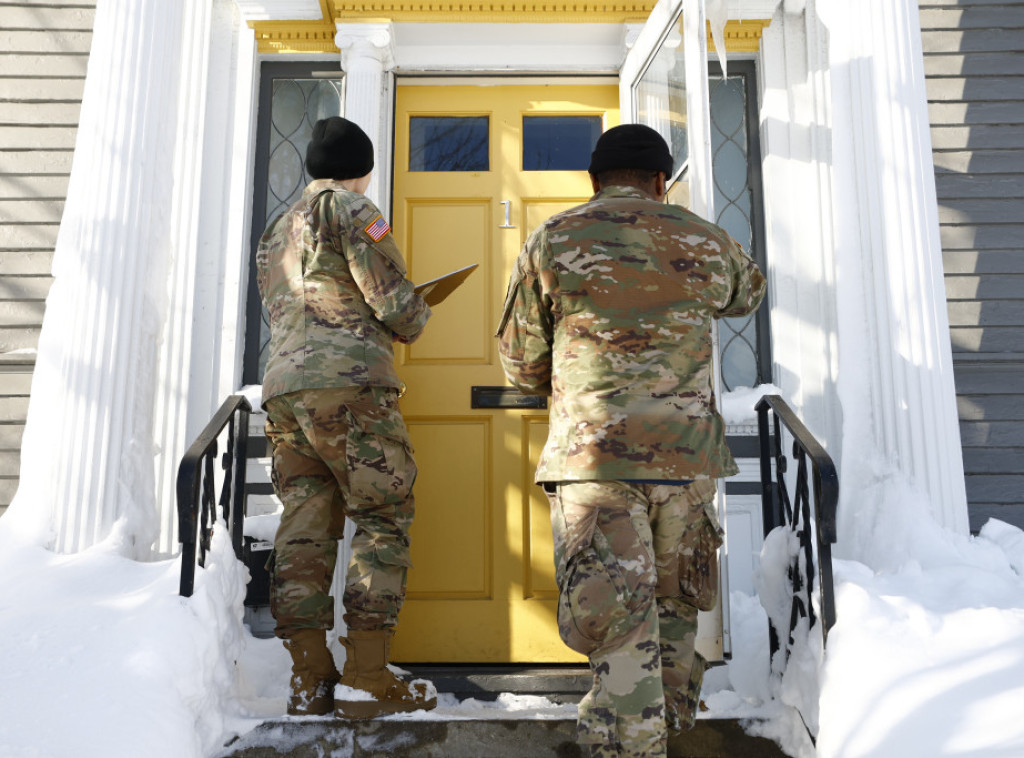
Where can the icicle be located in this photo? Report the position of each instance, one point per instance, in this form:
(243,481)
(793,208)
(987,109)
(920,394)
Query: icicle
(718,14)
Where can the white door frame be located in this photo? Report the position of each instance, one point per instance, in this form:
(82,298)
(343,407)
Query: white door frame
(714,635)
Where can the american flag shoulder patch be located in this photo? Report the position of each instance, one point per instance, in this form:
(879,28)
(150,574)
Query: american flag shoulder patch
(377,228)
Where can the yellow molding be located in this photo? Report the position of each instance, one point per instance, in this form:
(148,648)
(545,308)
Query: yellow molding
(496,11)
(742,36)
(295,37)
(318,36)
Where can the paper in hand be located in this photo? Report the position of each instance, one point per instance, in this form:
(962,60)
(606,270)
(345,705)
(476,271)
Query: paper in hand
(438,289)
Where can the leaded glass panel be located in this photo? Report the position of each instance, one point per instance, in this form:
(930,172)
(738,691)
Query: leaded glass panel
(737,337)
(661,104)
(294,104)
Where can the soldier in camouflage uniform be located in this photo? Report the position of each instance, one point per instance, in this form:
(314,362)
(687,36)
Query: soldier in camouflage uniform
(609,311)
(334,285)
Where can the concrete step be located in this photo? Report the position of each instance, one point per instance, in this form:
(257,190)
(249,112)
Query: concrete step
(454,736)
(317,737)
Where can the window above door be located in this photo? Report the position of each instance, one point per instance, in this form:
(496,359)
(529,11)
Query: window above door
(559,143)
(449,143)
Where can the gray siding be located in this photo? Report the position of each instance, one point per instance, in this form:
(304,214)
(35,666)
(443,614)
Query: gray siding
(44,47)
(974,64)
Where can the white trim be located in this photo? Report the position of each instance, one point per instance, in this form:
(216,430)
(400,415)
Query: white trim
(511,48)
(279,10)
(698,117)
(752,9)
(176,396)
(646,45)
(795,104)
(210,311)
(241,135)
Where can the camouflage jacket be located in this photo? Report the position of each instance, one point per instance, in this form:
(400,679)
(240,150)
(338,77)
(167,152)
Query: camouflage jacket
(333,282)
(609,311)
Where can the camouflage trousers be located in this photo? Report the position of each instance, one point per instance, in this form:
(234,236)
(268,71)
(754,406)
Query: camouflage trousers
(337,454)
(634,564)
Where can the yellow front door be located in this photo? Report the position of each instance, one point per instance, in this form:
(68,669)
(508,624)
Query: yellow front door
(478,167)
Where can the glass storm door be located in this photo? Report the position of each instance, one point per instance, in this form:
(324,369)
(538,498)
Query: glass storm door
(476,169)
(293,97)
(666,73)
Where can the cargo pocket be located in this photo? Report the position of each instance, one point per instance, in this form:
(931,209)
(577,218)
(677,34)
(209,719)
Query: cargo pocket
(587,602)
(381,469)
(595,598)
(392,551)
(698,561)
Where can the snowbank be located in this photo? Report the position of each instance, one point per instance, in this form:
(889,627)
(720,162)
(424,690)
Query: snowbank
(927,654)
(101,657)
(927,657)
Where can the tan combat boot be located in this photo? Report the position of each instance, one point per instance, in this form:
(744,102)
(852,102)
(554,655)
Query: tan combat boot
(375,690)
(313,674)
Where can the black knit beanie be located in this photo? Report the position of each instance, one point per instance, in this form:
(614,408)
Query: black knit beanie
(338,149)
(631,146)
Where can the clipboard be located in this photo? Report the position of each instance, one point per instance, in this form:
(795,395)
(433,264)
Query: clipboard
(436,290)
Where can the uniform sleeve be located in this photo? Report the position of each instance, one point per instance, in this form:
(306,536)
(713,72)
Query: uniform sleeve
(525,333)
(378,269)
(748,283)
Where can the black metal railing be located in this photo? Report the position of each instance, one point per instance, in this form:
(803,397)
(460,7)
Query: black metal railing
(779,510)
(196,487)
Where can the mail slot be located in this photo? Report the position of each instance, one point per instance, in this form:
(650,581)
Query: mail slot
(505,397)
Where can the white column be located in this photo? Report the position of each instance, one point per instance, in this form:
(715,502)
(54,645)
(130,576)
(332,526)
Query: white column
(213,148)
(88,452)
(177,399)
(367,57)
(896,368)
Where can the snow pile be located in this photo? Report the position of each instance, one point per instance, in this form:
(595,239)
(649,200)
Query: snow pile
(928,650)
(738,404)
(927,655)
(101,657)
(262,527)
(507,707)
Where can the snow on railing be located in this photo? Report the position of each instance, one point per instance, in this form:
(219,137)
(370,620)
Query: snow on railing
(197,482)
(795,516)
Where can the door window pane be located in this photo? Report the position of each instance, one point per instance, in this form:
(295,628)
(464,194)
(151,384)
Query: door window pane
(661,96)
(742,364)
(295,105)
(449,143)
(661,104)
(559,143)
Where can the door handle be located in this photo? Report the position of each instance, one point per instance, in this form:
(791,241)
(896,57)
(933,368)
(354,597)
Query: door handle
(508,211)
